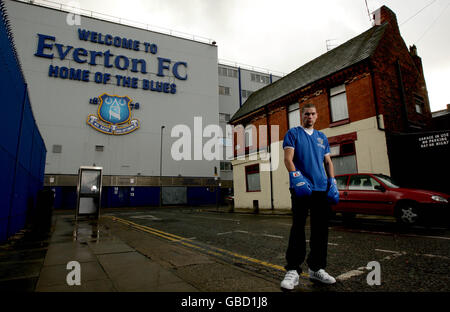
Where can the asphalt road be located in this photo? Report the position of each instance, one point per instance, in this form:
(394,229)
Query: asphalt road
(413,259)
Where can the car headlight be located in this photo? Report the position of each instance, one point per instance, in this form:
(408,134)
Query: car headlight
(439,199)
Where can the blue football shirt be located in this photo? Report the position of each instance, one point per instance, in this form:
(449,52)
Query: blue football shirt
(309,154)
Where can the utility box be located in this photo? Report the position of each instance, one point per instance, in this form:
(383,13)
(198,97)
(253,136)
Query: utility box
(89,192)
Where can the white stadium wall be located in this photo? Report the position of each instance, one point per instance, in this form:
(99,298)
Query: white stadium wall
(185,70)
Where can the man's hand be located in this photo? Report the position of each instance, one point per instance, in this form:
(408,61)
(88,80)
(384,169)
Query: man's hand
(332,191)
(299,184)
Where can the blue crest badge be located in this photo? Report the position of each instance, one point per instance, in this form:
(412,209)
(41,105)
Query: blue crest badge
(113,115)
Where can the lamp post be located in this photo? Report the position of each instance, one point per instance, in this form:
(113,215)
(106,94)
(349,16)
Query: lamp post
(160,169)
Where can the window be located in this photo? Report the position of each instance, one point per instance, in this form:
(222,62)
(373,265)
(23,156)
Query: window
(341,182)
(224,117)
(57,149)
(294,115)
(248,137)
(252,178)
(338,103)
(224,90)
(246,93)
(419,103)
(343,156)
(225,166)
(260,78)
(228,72)
(362,182)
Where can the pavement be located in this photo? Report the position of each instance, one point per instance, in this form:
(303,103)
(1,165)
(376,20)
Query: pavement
(108,256)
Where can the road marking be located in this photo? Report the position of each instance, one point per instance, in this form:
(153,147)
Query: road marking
(438,237)
(239,231)
(331,244)
(352,273)
(225,233)
(382,250)
(398,234)
(273,236)
(394,255)
(187,242)
(146,217)
(234,220)
(432,256)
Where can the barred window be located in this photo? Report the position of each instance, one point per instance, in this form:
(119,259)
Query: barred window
(224,90)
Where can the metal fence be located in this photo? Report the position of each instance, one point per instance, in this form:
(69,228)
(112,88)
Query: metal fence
(22,149)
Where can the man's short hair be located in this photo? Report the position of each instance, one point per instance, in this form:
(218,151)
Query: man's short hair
(308,105)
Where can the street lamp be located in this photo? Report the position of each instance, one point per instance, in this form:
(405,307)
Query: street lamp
(160,168)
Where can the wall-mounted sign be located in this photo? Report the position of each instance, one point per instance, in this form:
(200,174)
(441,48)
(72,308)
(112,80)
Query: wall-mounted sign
(113,115)
(48,48)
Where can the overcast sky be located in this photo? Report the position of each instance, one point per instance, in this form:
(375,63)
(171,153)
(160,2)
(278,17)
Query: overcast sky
(282,35)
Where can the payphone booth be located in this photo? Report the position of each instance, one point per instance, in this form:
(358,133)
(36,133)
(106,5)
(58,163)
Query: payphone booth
(89,192)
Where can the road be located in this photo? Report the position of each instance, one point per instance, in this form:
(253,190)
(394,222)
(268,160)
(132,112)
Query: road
(411,259)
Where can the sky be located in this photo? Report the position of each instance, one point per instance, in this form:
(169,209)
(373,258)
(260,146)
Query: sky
(282,35)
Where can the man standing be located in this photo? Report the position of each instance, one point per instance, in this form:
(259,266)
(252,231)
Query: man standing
(307,159)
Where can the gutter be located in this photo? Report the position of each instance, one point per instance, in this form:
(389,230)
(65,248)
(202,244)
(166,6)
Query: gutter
(269,141)
(375,97)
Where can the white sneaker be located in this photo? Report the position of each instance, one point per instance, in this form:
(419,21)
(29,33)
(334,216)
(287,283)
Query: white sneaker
(290,280)
(321,276)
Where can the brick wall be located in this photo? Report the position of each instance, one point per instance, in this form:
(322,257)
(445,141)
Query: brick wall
(392,49)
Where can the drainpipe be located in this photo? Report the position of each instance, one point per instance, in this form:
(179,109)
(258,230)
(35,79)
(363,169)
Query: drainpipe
(375,97)
(240,87)
(402,93)
(269,141)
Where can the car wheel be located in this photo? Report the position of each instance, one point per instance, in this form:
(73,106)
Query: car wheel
(408,214)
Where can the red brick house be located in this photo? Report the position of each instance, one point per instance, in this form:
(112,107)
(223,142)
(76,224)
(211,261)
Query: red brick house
(364,90)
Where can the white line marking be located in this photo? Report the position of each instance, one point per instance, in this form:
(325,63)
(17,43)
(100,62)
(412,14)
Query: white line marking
(274,236)
(331,244)
(224,233)
(407,235)
(146,217)
(239,231)
(234,220)
(432,256)
(383,250)
(438,237)
(349,274)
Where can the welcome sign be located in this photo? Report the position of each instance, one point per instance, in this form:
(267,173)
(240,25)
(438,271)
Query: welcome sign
(49,48)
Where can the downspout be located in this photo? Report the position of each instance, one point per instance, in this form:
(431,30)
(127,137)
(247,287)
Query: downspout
(240,87)
(269,141)
(402,93)
(375,97)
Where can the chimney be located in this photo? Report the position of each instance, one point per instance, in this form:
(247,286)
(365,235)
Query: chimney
(417,60)
(383,15)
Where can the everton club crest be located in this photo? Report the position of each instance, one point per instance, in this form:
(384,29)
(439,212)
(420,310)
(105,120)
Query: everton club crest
(113,115)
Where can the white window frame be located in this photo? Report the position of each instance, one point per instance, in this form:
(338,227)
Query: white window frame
(224,117)
(224,90)
(294,114)
(338,97)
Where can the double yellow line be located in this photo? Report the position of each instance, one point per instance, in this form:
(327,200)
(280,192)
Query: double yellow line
(188,242)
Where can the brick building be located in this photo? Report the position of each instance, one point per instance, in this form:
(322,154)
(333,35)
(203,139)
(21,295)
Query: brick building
(364,90)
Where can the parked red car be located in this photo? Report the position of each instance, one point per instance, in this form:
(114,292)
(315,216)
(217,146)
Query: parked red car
(378,194)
